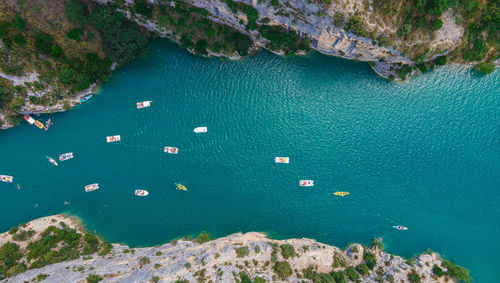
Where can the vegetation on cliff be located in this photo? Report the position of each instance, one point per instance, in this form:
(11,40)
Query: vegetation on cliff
(55,244)
(68,45)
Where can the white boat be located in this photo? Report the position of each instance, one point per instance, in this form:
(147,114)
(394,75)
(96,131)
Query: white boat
(141,193)
(91,187)
(113,138)
(400,227)
(199,130)
(65,156)
(282,159)
(7,179)
(29,119)
(143,104)
(306,183)
(51,160)
(171,149)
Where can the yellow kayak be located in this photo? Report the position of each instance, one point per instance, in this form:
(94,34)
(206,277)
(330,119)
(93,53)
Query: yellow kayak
(341,193)
(181,187)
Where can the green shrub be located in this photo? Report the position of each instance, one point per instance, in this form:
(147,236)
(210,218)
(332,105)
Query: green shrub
(158,253)
(484,68)
(144,260)
(83,81)
(43,42)
(244,278)
(363,269)
(441,60)
(252,16)
(155,279)
(13,230)
(436,24)
(91,244)
(106,249)
(259,280)
(121,39)
(437,270)
(282,269)
(242,251)
(413,277)
(20,23)
(19,39)
(77,13)
(66,75)
(75,34)
(203,237)
(369,259)
(142,7)
(287,251)
(457,272)
(256,249)
(93,278)
(21,235)
(56,50)
(352,274)
(40,277)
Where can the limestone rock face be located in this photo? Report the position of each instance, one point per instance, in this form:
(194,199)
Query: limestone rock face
(223,259)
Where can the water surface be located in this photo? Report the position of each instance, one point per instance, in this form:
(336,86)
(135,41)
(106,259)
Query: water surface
(423,154)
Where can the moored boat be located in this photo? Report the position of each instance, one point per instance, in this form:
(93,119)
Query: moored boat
(180,187)
(86,98)
(29,119)
(39,124)
(199,130)
(91,187)
(6,178)
(113,138)
(306,183)
(143,104)
(51,160)
(141,193)
(171,149)
(282,159)
(400,227)
(341,193)
(48,123)
(65,156)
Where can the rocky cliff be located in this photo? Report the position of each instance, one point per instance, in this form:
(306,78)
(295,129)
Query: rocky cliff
(234,258)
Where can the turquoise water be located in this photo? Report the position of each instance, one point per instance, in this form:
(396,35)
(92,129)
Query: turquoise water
(423,154)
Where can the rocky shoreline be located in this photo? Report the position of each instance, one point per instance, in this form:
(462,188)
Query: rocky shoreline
(230,259)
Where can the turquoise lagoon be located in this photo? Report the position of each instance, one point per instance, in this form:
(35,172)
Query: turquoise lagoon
(424,154)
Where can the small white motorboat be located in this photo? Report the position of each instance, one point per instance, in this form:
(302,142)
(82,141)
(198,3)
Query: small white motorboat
(113,138)
(282,159)
(141,193)
(65,156)
(306,183)
(6,178)
(171,149)
(400,227)
(51,160)
(91,187)
(199,130)
(29,119)
(143,104)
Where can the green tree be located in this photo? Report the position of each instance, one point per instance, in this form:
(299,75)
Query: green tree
(93,278)
(19,39)
(77,13)
(43,42)
(287,251)
(203,237)
(441,60)
(436,24)
(75,34)
(66,75)
(484,68)
(282,269)
(83,81)
(20,23)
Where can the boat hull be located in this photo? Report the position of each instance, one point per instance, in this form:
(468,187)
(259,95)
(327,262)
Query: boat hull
(306,183)
(285,160)
(171,150)
(113,138)
(141,193)
(200,130)
(91,187)
(6,178)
